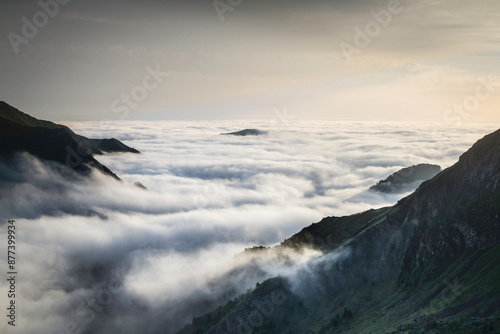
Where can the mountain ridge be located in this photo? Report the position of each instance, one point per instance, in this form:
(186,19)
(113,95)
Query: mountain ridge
(246,132)
(8,112)
(20,132)
(430,263)
(402,180)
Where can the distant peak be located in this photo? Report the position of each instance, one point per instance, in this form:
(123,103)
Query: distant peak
(403,179)
(246,132)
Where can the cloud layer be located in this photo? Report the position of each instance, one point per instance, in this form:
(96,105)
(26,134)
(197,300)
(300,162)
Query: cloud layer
(109,256)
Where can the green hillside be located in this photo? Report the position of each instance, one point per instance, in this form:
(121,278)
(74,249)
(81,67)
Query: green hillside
(429,264)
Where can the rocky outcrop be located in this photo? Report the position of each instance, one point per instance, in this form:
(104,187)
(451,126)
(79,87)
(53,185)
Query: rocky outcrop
(407,178)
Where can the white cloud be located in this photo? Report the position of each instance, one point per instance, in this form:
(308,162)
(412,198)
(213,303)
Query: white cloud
(209,197)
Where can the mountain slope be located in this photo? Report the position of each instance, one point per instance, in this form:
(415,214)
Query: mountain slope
(20,132)
(112,145)
(405,178)
(431,264)
(20,119)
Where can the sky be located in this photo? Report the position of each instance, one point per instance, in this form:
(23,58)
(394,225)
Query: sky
(412,60)
(426,74)
(155,258)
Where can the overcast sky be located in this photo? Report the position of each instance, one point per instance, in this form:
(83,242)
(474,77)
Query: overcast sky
(245,59)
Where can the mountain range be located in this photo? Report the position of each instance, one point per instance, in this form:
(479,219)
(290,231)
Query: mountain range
(20,132)
(429,264)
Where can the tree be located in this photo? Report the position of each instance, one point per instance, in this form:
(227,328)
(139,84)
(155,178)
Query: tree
(347,313)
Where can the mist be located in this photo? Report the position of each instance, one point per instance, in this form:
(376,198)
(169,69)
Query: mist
(100,255)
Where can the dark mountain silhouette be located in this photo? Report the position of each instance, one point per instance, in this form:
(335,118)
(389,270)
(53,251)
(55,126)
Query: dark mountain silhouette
(404,179)
(429,264)
(140,185)
(19,132)
(112,145)
(246,132)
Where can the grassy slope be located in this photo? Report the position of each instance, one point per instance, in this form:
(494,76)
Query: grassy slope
(430,264)
(464,299)
(16,116)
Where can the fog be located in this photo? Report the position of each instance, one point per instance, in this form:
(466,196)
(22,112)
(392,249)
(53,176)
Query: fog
(100,255)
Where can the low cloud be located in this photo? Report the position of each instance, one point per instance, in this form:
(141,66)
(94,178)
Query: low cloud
(112,257)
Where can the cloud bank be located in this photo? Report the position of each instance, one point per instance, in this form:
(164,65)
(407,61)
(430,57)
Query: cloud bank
(106,256)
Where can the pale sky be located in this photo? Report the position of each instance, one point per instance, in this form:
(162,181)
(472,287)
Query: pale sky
(416,60)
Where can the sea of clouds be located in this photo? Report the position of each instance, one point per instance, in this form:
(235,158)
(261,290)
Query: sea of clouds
(96,255)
